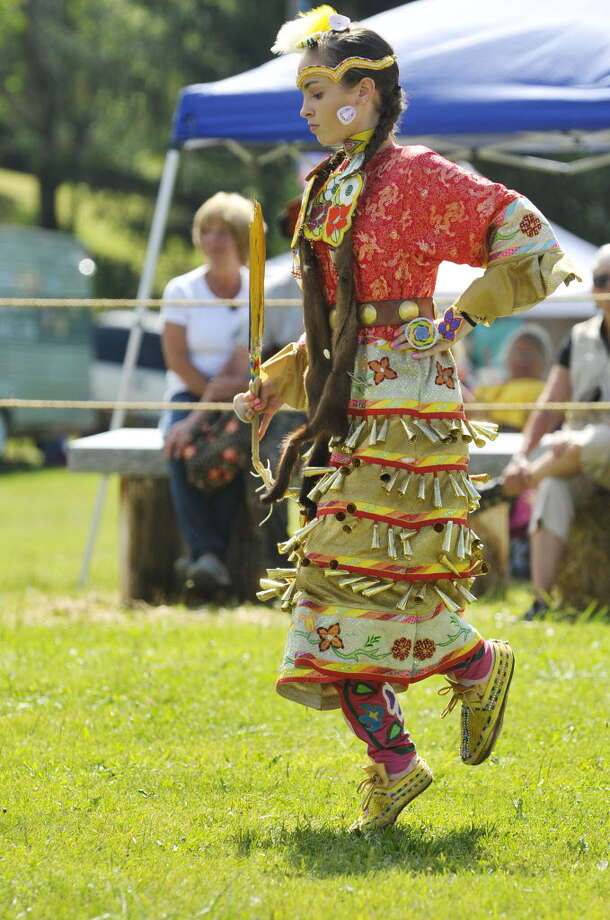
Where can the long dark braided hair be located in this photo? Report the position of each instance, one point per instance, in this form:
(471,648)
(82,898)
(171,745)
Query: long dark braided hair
(328,386)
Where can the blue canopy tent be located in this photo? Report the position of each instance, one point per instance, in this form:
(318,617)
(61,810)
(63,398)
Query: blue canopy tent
(506,79)
(472,69)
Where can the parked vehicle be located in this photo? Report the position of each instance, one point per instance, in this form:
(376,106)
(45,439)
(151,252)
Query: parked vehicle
(44,353)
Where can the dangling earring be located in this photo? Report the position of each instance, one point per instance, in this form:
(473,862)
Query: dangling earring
(346,114)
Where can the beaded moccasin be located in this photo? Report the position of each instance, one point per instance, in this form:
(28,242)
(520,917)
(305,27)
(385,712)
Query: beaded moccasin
(384,800)
(483,705)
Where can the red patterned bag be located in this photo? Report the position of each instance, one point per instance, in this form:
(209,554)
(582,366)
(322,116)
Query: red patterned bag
(219,450)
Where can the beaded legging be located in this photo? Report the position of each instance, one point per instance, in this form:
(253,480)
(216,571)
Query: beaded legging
(372,711)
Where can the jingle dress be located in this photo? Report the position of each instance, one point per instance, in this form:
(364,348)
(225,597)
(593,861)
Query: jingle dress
(383,570)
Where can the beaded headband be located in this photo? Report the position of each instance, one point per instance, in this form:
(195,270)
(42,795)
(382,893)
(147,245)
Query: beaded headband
(337,73)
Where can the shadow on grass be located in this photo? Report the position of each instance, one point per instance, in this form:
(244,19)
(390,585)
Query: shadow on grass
(324,852)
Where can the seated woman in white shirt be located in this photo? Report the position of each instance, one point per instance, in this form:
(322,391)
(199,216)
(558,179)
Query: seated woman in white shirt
(207,359)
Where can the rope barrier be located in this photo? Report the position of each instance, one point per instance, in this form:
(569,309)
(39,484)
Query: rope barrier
(103,303)
(227,406)
(117,303)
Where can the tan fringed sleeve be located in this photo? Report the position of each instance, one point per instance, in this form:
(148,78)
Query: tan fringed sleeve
(286,372)
(525,266)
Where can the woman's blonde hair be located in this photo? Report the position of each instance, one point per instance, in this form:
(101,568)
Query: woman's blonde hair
(232,210)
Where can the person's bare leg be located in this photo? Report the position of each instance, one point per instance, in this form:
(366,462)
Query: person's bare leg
(546,553)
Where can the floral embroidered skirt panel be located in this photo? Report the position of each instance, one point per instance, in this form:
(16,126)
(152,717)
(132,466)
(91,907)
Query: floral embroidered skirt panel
(384,569)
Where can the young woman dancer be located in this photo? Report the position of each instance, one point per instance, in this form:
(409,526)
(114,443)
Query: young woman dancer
(385,560)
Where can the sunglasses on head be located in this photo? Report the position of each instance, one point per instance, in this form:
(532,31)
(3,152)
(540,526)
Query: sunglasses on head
(602,280)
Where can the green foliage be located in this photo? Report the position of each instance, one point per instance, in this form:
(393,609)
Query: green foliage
(86,87)
(152,773)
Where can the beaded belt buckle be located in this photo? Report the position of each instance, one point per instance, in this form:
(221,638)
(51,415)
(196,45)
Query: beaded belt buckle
(421,333)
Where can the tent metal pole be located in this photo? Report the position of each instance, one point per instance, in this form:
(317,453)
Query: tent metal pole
(543,164)
(155,238)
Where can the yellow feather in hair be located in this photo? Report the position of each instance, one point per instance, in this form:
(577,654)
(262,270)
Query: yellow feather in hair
(293,35)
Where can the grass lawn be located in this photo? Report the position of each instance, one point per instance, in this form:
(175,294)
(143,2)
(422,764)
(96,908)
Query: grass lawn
(150,771)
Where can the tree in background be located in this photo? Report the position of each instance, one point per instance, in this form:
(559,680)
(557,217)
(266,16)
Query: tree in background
(87,92)
(87,89)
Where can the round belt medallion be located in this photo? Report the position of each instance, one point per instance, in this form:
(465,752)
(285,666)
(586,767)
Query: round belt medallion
(421,333)
(368,314)
(407,310)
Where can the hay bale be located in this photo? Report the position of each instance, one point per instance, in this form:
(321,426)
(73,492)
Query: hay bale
(491,525)
(584,575)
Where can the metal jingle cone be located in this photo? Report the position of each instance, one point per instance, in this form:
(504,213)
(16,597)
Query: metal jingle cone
(438,425)
(392,552)
(405,539)
(421,488)
(315,494)
(408,430)
(378,589)
(465,432)
(268,583)
(404,600)
(466,594)
(352,440)
(424,427)
(458,490)
(351,580)
(298,536)
(469,486)
(332,480)
(367,583)
(489,430)
(267,594)
(450,604)
(376,540)
(351,526)
(331,573)
(420,593)
(437,501)
(480,567)
(404,485)
(288,596)
(281,573)
(448,536)
(383,431)
(475,435)
(460,550)
(373,433)
(318,470)
(389,485)
(446,561)
(336,481)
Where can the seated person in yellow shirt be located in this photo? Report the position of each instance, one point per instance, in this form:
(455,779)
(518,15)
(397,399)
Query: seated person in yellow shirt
(526,359)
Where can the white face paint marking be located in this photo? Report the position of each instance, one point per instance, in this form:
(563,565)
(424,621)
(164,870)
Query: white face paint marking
(346,114)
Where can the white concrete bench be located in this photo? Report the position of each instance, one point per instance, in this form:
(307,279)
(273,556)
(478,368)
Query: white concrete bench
(139,452)
(149,541)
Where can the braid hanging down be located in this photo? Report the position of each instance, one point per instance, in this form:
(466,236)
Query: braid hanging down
(328,385)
